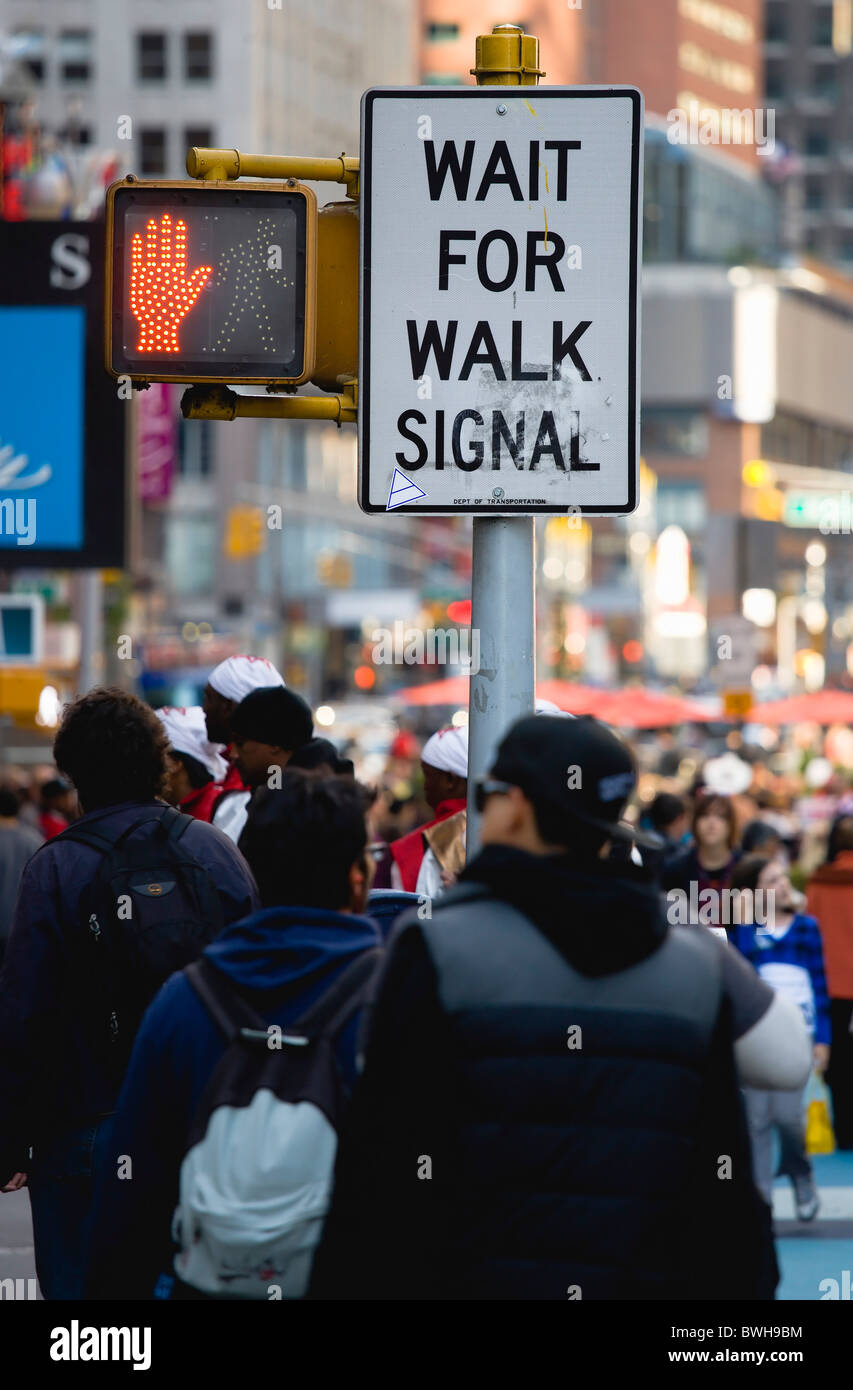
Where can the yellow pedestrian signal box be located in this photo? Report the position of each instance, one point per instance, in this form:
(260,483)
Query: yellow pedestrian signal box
(211,281)
(737,703)
(20,689)
(244,532)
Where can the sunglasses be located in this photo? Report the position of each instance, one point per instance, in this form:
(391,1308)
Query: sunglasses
(484,788)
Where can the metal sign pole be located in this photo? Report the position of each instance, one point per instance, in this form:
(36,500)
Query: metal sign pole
(503,575)
(506,219)
(502,590)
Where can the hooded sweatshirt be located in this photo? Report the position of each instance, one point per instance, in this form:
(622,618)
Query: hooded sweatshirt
(616,919)
(282,959)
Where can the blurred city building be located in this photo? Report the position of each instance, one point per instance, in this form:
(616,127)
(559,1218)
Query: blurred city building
(680,53)
(152,79)
(808,57)
(213,570)
(747,424)
(748,428)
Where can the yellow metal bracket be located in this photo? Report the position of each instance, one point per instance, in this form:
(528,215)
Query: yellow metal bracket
(221,403)
(221,165)
(507,57)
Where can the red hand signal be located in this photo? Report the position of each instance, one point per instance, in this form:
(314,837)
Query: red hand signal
(160,293)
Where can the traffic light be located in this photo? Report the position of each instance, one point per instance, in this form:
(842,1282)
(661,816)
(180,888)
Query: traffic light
(334,571)
(211,282)
(244,533)
(20,691)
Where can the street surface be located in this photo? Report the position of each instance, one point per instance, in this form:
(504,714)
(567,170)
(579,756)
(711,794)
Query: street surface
(808,1252)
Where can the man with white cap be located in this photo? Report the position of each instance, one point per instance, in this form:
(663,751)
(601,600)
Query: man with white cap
(444,763)
(444,856)
(195,765)
(229,683)
(269,726)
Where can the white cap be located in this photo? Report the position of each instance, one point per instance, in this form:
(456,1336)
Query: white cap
(548,707)
(187,733)
(727,775)
(448,751)
(238,676)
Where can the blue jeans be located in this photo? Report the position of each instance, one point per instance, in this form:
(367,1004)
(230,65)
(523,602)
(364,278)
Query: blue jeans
(62,1184)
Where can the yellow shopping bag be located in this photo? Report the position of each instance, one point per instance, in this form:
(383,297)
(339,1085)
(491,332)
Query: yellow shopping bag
(820,1138)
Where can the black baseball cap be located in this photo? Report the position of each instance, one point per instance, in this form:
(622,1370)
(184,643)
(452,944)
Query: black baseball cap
(576,767)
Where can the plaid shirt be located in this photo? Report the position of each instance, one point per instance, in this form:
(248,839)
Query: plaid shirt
(800,947)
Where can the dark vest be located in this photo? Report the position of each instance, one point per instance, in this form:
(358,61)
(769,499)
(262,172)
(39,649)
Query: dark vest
(581,1109)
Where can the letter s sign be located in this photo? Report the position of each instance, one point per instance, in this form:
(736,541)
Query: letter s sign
(71,267)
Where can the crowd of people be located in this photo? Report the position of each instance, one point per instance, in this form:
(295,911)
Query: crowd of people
(265,1047)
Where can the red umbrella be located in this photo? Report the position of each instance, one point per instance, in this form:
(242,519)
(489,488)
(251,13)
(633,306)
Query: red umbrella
(819,707)
(637,708)
(453,690)
(633,707)
(570,696)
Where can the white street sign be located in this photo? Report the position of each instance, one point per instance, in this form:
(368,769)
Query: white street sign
(500,243)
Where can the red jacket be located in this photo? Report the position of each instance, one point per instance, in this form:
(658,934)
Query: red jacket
(200,803)
(409,850)
(232,781)
(52,823)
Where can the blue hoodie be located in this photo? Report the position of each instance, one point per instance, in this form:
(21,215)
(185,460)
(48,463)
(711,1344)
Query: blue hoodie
(287,957)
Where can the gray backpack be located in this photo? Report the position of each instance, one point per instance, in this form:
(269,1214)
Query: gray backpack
(256,1177)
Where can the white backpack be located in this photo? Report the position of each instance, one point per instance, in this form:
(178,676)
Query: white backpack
(256,1176)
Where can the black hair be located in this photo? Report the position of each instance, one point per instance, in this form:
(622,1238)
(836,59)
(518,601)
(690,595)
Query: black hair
(302,839)
(53,787)
(321,753)
(664,809)
(557,828)
(756,834)
(197,773)
(9,803)
(748,870)
(840,837)
(112,747)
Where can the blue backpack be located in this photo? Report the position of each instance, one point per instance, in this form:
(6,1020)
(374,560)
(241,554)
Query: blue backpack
(149,910)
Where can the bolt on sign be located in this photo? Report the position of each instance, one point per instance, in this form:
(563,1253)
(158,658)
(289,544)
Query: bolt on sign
(210,282)
(500,243)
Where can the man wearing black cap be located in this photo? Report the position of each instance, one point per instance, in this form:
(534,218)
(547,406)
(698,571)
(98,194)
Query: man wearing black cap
(549,1107)
(267,728)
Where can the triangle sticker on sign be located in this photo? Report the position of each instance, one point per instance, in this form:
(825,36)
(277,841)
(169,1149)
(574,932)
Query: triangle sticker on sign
(403,490)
